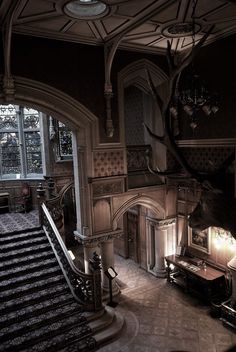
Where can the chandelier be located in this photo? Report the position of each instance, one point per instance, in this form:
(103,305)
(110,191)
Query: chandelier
(192,93)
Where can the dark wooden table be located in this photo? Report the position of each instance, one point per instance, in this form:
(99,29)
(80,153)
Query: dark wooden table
(207,283)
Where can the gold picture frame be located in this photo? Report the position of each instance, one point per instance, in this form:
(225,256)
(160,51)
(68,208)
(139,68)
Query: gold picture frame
(200,240)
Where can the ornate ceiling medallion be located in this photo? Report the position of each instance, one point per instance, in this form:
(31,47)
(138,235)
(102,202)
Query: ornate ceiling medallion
(86,9)
(178,30)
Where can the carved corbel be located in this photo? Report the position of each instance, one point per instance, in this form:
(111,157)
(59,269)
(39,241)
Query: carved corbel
(109,53)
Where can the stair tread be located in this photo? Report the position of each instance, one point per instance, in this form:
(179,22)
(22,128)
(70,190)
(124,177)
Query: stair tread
(23,279)
(25,251)
(25,242)
(27,258)
(26,299)
(45,318)
(36,285)
(49,334)
(20,236)
(14,271)
(36,308)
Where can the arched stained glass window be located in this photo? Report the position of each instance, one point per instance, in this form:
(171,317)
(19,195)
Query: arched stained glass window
(20,142)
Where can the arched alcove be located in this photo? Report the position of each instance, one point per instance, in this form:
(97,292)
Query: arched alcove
(137,106)
(82,122)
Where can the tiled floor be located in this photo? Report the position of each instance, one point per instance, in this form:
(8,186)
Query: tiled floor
(160,317)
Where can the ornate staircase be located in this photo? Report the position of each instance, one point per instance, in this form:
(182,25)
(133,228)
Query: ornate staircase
(38,311)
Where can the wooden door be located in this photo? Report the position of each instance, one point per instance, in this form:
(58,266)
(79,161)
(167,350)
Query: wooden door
(132,235)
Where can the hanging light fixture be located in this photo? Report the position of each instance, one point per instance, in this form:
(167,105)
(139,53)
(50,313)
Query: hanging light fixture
(192,92)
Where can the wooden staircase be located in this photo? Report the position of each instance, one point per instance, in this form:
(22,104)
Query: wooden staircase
(37,309)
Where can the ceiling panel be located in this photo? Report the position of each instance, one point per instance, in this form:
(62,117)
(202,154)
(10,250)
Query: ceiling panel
(144,25)
(30,9)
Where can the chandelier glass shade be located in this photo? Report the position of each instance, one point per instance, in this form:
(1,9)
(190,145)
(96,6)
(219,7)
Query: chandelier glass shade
(193,95)
(191,92)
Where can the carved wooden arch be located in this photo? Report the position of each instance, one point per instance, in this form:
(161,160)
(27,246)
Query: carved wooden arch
(82,122)
(146,201)
(54,102)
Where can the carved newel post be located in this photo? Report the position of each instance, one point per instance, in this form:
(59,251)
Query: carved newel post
(95,269)
(40,198)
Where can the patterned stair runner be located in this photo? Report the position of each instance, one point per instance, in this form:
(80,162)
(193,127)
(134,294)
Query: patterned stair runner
(37,309)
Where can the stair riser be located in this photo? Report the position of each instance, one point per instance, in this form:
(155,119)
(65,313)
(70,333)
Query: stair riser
(23,304)
(28,270)
(23,261)
(19,237)
(29,314)
(26,244)
(30,280)
(29,291)
(57,318)
(31,251)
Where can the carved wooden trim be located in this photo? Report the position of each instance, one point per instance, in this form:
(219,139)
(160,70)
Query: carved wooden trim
(220,142)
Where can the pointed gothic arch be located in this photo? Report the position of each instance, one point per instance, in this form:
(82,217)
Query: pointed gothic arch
(144,200)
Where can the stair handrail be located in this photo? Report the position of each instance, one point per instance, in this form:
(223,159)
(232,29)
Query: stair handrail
(86,288)
(55,204)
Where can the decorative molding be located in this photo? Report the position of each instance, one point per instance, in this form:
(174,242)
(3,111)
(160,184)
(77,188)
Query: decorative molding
(163,222)
(108,187)
(93,241)
(218,142)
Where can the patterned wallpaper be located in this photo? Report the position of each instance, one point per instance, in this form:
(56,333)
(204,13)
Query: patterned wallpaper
(108,163)
(134,116)
(202,158)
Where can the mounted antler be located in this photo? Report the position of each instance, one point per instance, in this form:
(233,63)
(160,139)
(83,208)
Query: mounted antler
(216,207)
(174,74)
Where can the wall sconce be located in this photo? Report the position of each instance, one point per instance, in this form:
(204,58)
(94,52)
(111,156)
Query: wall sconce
(223,238)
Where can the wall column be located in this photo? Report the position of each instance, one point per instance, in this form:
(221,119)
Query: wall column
(161,242)
(107,260)
(161,238)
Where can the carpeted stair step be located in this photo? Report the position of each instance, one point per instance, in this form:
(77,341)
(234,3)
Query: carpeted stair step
(31,288)
(25,269)
(48,336)
(28,278)
(47,318)
(16,232)
(111,332)
(23,244)
(16,237)
(36,309)
(23,252)
(50,292)
(114,327)
(28,259)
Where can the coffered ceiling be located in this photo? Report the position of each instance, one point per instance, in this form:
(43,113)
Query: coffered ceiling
(143,25)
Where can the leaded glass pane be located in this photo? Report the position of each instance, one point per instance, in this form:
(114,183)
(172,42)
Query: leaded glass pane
(8,117)
(20,142)
(65,140)
(33,152)
(10,153)
(31,119)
